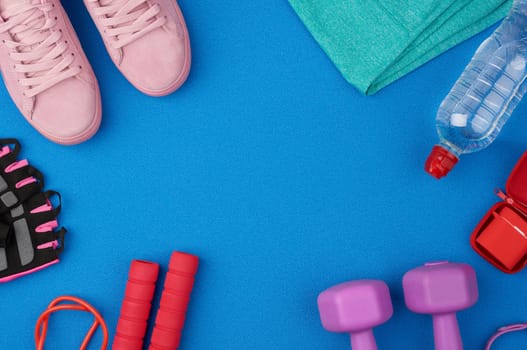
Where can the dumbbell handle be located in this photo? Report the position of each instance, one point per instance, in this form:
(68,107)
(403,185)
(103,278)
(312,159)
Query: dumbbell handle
(363,340)
(174,301)
(446,332)
(135,308)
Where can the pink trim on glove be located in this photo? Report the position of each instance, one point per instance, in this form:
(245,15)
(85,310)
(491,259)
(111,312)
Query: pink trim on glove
(52,244)
(16,165)
(45,207)
(47,226)
(38,268)
(5,150)
(26,181)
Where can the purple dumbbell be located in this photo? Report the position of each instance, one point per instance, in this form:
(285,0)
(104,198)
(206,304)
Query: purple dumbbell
(356,307)
(441,289)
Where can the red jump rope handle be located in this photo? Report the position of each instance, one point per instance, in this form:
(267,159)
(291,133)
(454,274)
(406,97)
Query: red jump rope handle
(174,301)
(133,320)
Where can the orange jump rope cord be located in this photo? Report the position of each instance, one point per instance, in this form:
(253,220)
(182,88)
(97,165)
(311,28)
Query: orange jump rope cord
(77,304)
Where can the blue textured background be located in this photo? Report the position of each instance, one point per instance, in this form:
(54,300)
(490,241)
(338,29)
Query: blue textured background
(279,175)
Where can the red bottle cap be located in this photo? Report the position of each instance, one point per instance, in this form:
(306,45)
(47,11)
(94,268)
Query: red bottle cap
(440,162)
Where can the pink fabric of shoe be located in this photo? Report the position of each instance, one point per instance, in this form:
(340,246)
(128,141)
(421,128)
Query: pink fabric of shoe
(147,40)
(46,72)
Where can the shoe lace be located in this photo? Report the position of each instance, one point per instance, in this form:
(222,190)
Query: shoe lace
(127,20)
(38,50)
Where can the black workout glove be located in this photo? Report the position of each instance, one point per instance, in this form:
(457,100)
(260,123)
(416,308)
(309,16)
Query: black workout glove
(29,238)
(34,241)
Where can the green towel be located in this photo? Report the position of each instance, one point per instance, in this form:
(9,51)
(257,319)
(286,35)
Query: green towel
(375,42)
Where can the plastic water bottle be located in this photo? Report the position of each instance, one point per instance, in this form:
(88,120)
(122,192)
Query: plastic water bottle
(486,94)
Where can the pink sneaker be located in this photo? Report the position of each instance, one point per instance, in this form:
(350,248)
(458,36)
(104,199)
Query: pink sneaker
(46,71)
(147,40)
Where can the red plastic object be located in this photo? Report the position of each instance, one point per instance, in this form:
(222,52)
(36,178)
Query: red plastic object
(70,303)
(174,301)
(135,309)
(440,162)
(501,236)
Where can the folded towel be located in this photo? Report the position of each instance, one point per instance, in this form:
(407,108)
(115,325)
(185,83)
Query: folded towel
(375,42)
